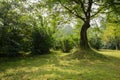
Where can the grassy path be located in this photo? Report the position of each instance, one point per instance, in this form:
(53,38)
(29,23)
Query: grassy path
(54,67)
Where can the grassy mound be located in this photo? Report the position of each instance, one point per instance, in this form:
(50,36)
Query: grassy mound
(86,54)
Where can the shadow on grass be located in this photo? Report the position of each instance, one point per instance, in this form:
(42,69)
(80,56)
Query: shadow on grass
(15,62)
(53,67)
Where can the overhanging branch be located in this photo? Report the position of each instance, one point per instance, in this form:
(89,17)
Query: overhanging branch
(74,12)
(97,12)
(82,6)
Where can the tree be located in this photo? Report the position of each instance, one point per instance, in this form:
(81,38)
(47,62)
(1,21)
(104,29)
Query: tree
(15,27)
(85,10)
(10,34)
(111,36)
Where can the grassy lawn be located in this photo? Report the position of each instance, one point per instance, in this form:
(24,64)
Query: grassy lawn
(54,67)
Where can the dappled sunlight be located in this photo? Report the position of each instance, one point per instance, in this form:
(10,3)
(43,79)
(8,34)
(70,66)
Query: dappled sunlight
(65,63)
(46,77)
(53,66)
(115,53)
(59,40)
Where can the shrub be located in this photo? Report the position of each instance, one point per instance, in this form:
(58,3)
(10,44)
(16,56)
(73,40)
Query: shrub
(66,45)
(41,42)
(95,43)
(10,42)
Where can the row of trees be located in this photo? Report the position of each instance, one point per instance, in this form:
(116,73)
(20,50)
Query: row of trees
(30,26)
(24,28)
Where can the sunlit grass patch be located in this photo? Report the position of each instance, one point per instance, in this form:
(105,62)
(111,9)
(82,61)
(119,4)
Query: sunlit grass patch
(115,53)
(54,67)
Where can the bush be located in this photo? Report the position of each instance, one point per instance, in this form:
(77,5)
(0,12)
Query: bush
(10,42)
(95,43)
(112,44)
(66,45)
(41,42)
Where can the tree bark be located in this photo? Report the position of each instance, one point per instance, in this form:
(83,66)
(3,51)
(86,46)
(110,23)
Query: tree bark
(83,36)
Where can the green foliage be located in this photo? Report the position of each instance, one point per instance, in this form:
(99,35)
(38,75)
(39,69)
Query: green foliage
(10,34)
(113,5)
(111,36)
(18,20)
(95,43)
(41,42)
(95,37)
(66,45)
(15,29)
(65,39)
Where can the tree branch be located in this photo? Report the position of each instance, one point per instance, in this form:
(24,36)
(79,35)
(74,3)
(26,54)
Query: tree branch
(97,12)
(74,12)
(89,8)
(82,6)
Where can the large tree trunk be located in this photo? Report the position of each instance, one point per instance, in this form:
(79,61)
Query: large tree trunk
(83,36)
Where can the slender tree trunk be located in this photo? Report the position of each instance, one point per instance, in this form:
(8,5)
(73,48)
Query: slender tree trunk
(83,36)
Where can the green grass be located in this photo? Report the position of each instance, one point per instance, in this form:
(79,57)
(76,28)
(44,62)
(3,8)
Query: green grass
(56,66)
